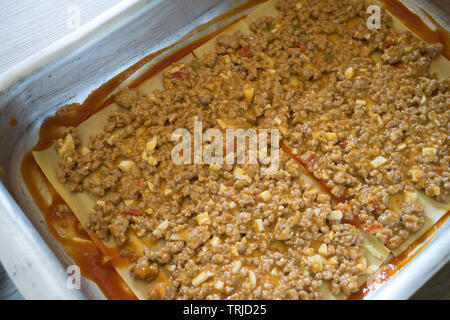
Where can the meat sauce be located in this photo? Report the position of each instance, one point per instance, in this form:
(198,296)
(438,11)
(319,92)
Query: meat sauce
(92,261)
(97,262)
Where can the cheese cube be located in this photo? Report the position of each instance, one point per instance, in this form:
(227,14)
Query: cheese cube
(349,73)
(428,151)
(335,215)
(410,196)
(203,218)
(219,285)
(423,100)
(152,161)
(239,174)
(128,202)
(265,195)
(179,236)
(151,145)
(249,92)
(362,265)
(316,263)
(215,241)
(215,166)
(222,188)
(330,136)
(163,225)
(378,161)
(236,266)
(259,226)
(252,278)
(221,123)
(66,145)
(323,249)
(416,174)
(201,277)
(126,165)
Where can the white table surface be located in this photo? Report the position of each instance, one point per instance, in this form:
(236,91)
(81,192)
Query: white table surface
(27,26)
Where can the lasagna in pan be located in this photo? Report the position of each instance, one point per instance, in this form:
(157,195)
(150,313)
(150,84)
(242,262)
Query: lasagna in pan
(353,109)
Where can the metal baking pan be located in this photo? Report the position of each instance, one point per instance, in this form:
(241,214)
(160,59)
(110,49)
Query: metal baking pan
(66,73)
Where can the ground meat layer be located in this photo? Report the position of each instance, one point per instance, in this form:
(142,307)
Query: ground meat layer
(358,107)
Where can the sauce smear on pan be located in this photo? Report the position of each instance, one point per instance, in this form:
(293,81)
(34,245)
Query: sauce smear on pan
(397,263)
(413,22)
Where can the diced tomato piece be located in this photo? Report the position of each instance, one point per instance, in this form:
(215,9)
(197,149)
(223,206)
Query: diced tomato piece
(399,66)
(132,212)
(245,52)
(389,43)
(342,143)
(437,170)
(376,206)
(180,75)
(354,222)
(312,160)
(372,227)
(300,45)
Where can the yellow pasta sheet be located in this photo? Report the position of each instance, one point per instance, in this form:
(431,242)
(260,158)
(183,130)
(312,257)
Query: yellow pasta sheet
(208,46)
(82,203)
